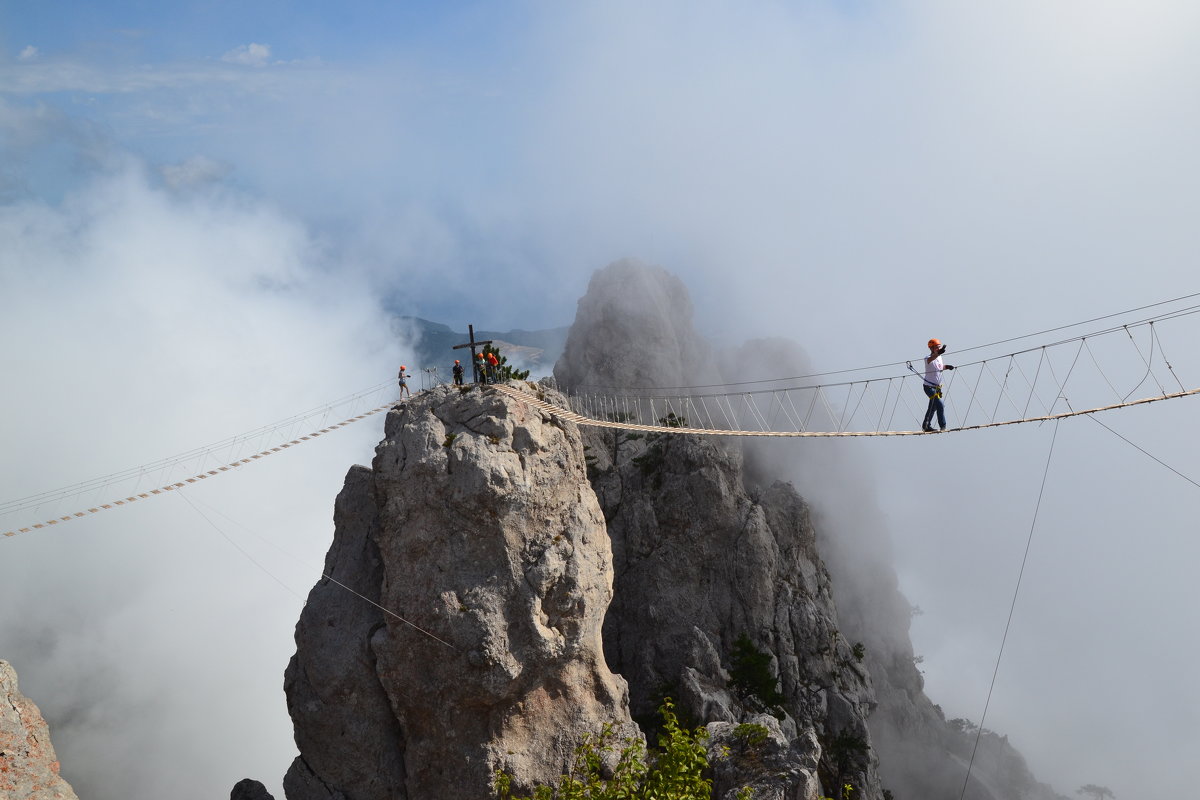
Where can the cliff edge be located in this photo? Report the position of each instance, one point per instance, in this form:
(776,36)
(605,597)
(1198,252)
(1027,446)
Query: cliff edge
(28,765)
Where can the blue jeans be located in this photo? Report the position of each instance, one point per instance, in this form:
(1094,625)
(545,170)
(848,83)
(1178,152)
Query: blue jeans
(934,393)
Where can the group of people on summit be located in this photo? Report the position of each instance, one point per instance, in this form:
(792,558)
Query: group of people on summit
(485,372)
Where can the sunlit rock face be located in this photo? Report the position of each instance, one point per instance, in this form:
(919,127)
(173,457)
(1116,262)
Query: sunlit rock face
(478,529)
(28,765)
(502,584)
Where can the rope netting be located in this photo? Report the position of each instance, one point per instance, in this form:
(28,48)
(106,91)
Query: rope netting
(195,465)
(1098,371)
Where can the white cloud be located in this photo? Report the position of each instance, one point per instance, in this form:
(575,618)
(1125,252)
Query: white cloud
(28,53)
(144,323)
(249,55)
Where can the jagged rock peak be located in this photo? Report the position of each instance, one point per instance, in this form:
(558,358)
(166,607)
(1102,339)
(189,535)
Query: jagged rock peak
(250,789)
(28,765)
(634,328)
(478,527)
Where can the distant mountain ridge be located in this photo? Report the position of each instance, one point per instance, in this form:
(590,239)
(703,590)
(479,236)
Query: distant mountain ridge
(434,343)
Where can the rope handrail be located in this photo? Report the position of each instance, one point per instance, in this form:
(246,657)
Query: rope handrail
(671,392)
(579,419)
(133,498)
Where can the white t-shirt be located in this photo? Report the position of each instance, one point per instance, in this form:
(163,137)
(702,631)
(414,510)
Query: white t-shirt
(933,372)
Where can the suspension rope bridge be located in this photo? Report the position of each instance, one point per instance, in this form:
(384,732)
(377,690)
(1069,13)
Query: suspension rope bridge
(265,436)
(1004,389)
(1101,370)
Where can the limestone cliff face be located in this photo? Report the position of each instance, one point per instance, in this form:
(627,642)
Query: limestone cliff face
(502,584)
(477,531)
(703,559)
(707,548)
(28,765)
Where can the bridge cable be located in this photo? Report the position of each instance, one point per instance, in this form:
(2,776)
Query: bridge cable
(289,589)
(133,498)
(1012,607)
(1146,453)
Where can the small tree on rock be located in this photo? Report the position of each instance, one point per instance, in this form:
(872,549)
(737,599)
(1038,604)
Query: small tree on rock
(504,371)
(1096,792)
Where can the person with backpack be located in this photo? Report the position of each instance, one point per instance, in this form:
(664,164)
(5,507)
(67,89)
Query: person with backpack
(458,373)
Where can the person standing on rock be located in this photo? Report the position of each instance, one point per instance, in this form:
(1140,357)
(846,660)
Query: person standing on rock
(404,382)
(933,386)
(458,373)
(493,364)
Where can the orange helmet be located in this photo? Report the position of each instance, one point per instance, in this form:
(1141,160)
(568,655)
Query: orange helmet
(934,343)
(402,368)
(456,361)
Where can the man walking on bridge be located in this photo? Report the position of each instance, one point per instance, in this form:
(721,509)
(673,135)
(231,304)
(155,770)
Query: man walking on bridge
(933,386)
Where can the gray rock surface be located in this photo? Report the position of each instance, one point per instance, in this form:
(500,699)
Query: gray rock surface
(29,769)
(478,531)
(347,733)
(249,789)
(758,755)
(633,328)
(701,557)
(920,753)
(497,538)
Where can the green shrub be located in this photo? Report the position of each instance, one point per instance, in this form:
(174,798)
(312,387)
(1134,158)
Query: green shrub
(751,733)
(504,371)
(675,771)
(751,679)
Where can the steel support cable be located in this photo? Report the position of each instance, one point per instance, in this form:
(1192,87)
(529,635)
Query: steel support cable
(974,393)
(1000,396)
(165,464)
(133,498)
(858,405)
(1166,315)
(1170,368)
(1145,452)
(1033,389)
(707,414)
(812,406)
(883,407)
(1062,385)
(1149,371)
(895,403)
(581,420)
(1010,356)
(728,420)
(1032,386)
(1176,314)
(752,409)
(1096,364)
(1004,393)
(797,417)
(829,410)
(324,574)
(1011,609)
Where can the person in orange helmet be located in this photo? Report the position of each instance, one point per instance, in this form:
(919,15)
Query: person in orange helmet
(480,369)
(458,373)
(933,386)
(492,364)
(404,382)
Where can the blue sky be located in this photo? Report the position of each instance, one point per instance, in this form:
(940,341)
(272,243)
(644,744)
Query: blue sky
(206,209)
